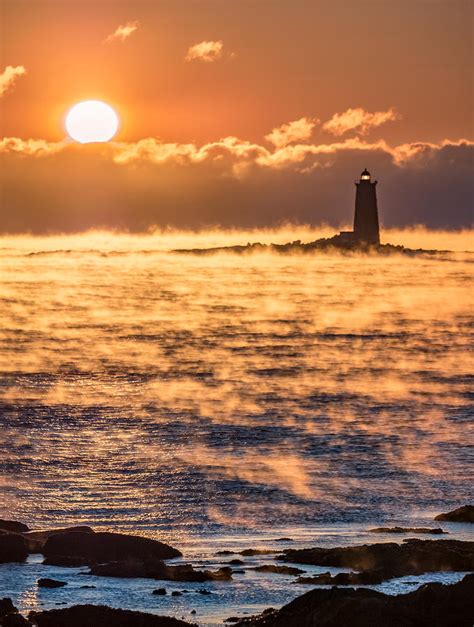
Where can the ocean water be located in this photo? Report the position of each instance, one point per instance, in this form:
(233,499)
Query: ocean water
(228,400)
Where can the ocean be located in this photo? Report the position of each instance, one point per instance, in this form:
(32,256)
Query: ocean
(227,400)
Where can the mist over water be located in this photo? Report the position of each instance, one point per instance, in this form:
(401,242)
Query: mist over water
(172,395)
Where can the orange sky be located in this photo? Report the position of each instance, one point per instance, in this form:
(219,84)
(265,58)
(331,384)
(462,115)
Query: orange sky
(280,61)
(291,59)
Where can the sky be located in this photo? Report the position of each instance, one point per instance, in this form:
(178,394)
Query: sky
(244,113)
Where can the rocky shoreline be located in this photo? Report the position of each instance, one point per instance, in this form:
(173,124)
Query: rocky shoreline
(432,605)
(109,554)
(327,245)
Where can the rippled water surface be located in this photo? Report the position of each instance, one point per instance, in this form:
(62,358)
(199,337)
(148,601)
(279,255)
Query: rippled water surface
(182,396)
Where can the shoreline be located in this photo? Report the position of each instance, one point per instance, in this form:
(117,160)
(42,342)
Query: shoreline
(212,606)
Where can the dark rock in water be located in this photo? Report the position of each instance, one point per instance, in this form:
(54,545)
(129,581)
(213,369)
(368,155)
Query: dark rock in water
(283,540)
(50,583)
(390,560)
(236,562)
(251,552)
(101,616)
(461,514)
(176,593)
(232,619)
(15,620)
(86,587)
(365,578)
(9,616)
(13,525)
(156,569)
(436,531)
(225,553)
(432,605)
(160,591)
(63,560)
(192,612)
(35,540)
(203,591)
(91,548)
(6,607)
(280,570)
(12,548)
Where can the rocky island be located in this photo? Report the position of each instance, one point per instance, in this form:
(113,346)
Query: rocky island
(363,239)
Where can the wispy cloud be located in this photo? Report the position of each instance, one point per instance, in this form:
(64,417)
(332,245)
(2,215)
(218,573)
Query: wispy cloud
(236,155)
(207,51)
(9,76)
(122,32)
(359,120)
(298,130)
(30,147)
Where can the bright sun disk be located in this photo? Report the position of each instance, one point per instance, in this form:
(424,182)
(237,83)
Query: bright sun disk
(91,121)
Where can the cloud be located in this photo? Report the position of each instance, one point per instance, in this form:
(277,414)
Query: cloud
(121,33)
(228,151)
(9,76)
(155,151)
(30,147)
(286,153)
(207,51)
(358,120)
(298,130)
(230,181)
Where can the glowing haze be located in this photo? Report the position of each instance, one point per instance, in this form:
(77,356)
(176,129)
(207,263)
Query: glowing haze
(224,121)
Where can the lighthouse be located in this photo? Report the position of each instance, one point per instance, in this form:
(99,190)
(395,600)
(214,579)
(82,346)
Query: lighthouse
(366,219)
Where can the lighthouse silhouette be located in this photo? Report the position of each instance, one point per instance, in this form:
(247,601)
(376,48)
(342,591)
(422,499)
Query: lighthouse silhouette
(366,219)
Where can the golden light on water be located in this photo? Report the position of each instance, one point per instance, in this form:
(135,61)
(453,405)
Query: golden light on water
(92,121)
(133,353)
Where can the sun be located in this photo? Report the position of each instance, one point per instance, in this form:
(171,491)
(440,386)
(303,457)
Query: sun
(91,121)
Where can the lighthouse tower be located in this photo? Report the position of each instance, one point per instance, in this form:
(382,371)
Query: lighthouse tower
(366,219)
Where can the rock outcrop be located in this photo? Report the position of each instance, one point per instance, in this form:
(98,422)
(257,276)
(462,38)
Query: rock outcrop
(279,570)
(13,548)
(9,616)
(79,548)
(45,582)
(337,243)
(461,514)
(13,525)
(6,607)
(389,560)
(365,578)
(432,605)
(437,531)
(15,620)
(35,540)
(156,569)
(101,616)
